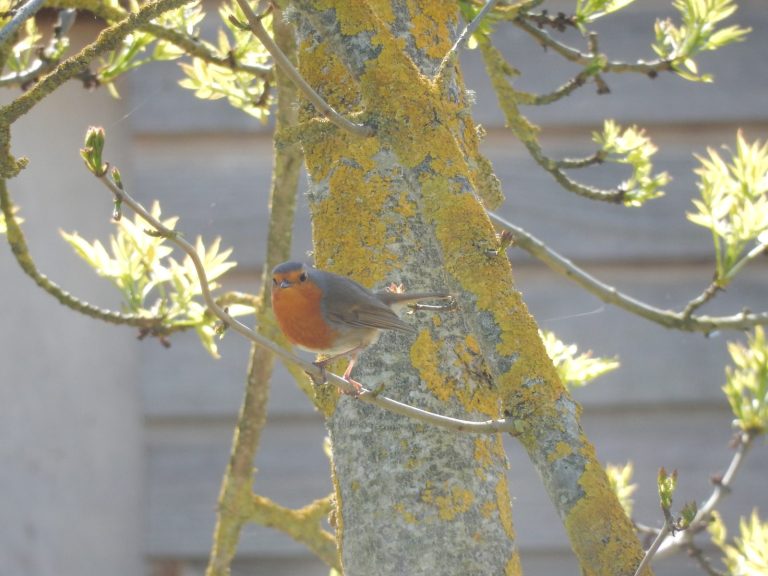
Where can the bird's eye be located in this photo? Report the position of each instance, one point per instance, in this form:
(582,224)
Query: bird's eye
(303,277)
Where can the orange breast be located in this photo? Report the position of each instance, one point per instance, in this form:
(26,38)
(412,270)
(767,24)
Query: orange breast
(297,310)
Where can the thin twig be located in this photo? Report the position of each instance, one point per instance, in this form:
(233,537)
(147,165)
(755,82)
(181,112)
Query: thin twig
(235,297)
(191,45)
(610,295)
(18,244)
(574,163)
(651,552)
(44,64)
(722,488)
(365,395)
(615,195)
(529,99)
(469,29)
(285,64)
(701,299)
(24,13)
(576,56)
(499,71)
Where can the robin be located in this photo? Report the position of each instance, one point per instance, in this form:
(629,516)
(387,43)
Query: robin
(333,315)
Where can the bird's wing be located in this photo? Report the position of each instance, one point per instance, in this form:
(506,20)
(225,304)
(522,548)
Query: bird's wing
(354,305)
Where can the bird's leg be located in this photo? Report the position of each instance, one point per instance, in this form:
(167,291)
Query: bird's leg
(358,388)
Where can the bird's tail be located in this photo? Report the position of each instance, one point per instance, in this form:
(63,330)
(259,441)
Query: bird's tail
(404,298)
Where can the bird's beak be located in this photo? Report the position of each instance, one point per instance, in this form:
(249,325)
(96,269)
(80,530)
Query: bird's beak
(284,284)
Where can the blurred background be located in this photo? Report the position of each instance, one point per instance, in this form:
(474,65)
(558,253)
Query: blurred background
(112,449)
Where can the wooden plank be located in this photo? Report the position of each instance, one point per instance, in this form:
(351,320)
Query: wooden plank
(185,463)
(262,566)
(184,475)
(737,95)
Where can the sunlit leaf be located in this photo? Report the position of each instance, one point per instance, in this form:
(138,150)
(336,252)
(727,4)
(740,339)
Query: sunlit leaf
(575,370)
(151,281)
(746,386)
(633,147)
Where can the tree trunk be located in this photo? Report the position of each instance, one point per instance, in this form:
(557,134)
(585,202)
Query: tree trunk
(402,206)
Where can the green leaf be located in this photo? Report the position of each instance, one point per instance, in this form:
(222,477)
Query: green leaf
(748,555)
(687,514)
(733,204)
(746,386)
(680,43)
(152,283)
(575,370)
(620,478)
(631,146)
(667,483)
(243,90)
(591,10)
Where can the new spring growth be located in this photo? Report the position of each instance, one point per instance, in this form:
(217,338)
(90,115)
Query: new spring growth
(667,483)
(92,152)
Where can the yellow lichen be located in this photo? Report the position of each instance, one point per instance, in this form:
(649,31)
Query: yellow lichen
(406,514)
(425,358)
(483,451)
(504,507)
(513,567)
(362,239)
(562,449)
(405,207)
(488,509)
(430,20)
(450,502)
(610,546)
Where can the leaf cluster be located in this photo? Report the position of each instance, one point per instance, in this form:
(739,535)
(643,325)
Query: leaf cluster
(698,32)
(141,47)
(242,89)
(734,205)
(152,283)
(746,384)
(591,10)
(633,147)
(620,478)
(575,370)
(748,554)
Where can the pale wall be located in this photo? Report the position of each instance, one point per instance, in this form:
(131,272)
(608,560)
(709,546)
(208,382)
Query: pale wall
(112,450)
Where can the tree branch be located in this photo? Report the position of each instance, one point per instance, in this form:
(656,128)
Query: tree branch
(303,525)
(609,294)
(107,40)
(571,54)
(191,46)
(24,13)
(651,552)
(20,250)
(371,397)
(499,72)
(722,487)
(46,62)
(237,481)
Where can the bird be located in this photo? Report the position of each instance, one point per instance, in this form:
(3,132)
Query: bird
(333,315)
